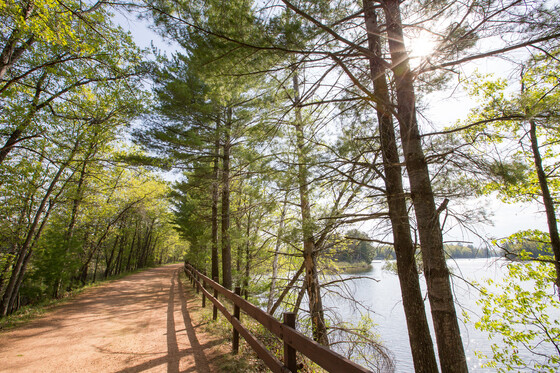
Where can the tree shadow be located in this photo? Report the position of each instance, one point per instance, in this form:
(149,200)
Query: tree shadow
(172,346)
(201,362)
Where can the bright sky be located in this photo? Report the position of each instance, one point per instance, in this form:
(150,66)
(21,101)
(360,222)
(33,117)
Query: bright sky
(443,111)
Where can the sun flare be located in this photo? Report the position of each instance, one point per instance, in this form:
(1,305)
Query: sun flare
(421,46)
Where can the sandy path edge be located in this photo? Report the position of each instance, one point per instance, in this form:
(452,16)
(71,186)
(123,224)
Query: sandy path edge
(140,323)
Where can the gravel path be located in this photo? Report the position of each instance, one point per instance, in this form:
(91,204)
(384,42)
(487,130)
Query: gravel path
(141,323)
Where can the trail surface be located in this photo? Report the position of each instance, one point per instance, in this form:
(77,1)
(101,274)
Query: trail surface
(141,323)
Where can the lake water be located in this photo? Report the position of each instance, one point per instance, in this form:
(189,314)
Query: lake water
(383,297)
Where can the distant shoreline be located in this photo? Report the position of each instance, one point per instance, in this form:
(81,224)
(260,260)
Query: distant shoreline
(346,267)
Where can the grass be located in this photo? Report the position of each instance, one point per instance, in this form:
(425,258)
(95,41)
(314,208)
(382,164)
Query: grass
(246,361)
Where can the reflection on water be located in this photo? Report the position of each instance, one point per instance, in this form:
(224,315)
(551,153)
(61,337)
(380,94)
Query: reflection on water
(383,298)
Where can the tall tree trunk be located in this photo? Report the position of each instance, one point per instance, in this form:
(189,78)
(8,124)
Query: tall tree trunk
(279,234)
(448,336)
(19,279)
(14,247)
(420,340)
(146,246)
(287,289)
(309,253)
(247,257)
(547,200)
(12,305)
(19,266)
(94,270)
(226,243)
(118,262)
(109,261)
(95,249)
(131,250)
(73,219)
(215,199)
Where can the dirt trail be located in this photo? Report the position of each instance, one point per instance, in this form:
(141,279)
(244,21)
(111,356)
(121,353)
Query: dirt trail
(141,323)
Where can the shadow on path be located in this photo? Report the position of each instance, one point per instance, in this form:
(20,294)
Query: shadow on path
(172,347)
(201,362)
(174,355)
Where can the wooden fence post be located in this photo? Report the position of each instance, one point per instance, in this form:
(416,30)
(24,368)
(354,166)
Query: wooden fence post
(203,294)
(215,309)
(236,314)
(290,360)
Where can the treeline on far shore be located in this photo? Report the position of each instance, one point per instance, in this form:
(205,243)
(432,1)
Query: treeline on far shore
(358,247)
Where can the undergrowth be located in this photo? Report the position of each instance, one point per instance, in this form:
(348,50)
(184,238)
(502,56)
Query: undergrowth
(246,361)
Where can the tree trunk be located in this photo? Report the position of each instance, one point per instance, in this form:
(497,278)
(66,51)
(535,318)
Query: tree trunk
(128,268)
(247,258)
(19,279)
(19,266)
(448,336)
(309,253)
(420,340)
(73,218)
(11,52)
(547,201)
(109,261)
(145,247)
(94,270)
(226,243)
(215,199)
(118,262)
(273,280)
(12,304)
(286,289)
(16,134)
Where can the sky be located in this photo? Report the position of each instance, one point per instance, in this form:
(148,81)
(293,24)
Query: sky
(444,109)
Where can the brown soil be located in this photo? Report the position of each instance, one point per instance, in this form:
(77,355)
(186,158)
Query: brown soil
(141,323)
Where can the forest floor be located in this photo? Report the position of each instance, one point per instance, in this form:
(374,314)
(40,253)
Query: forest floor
(146,322)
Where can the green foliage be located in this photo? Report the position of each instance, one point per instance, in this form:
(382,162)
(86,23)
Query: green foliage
(458,251)
(522,312)
(500,139)
(354,248)
(66,98)
(526,245)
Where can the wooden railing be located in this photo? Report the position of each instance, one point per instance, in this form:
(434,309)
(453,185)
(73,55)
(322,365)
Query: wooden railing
(292,339)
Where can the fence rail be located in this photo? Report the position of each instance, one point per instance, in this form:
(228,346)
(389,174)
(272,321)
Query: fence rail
(292,339)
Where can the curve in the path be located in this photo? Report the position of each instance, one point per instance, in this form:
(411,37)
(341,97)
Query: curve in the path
(140,323)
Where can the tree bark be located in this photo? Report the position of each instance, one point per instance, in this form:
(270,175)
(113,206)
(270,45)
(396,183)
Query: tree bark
(73,218)
(226,243)
(109,261)
(547,200)
(448,337)
(131,250)
(11,52)
(20,264)
(215,199)
(286,289)
(309,253)
(247,258)
(276,255)
(420,340)
(16,134)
